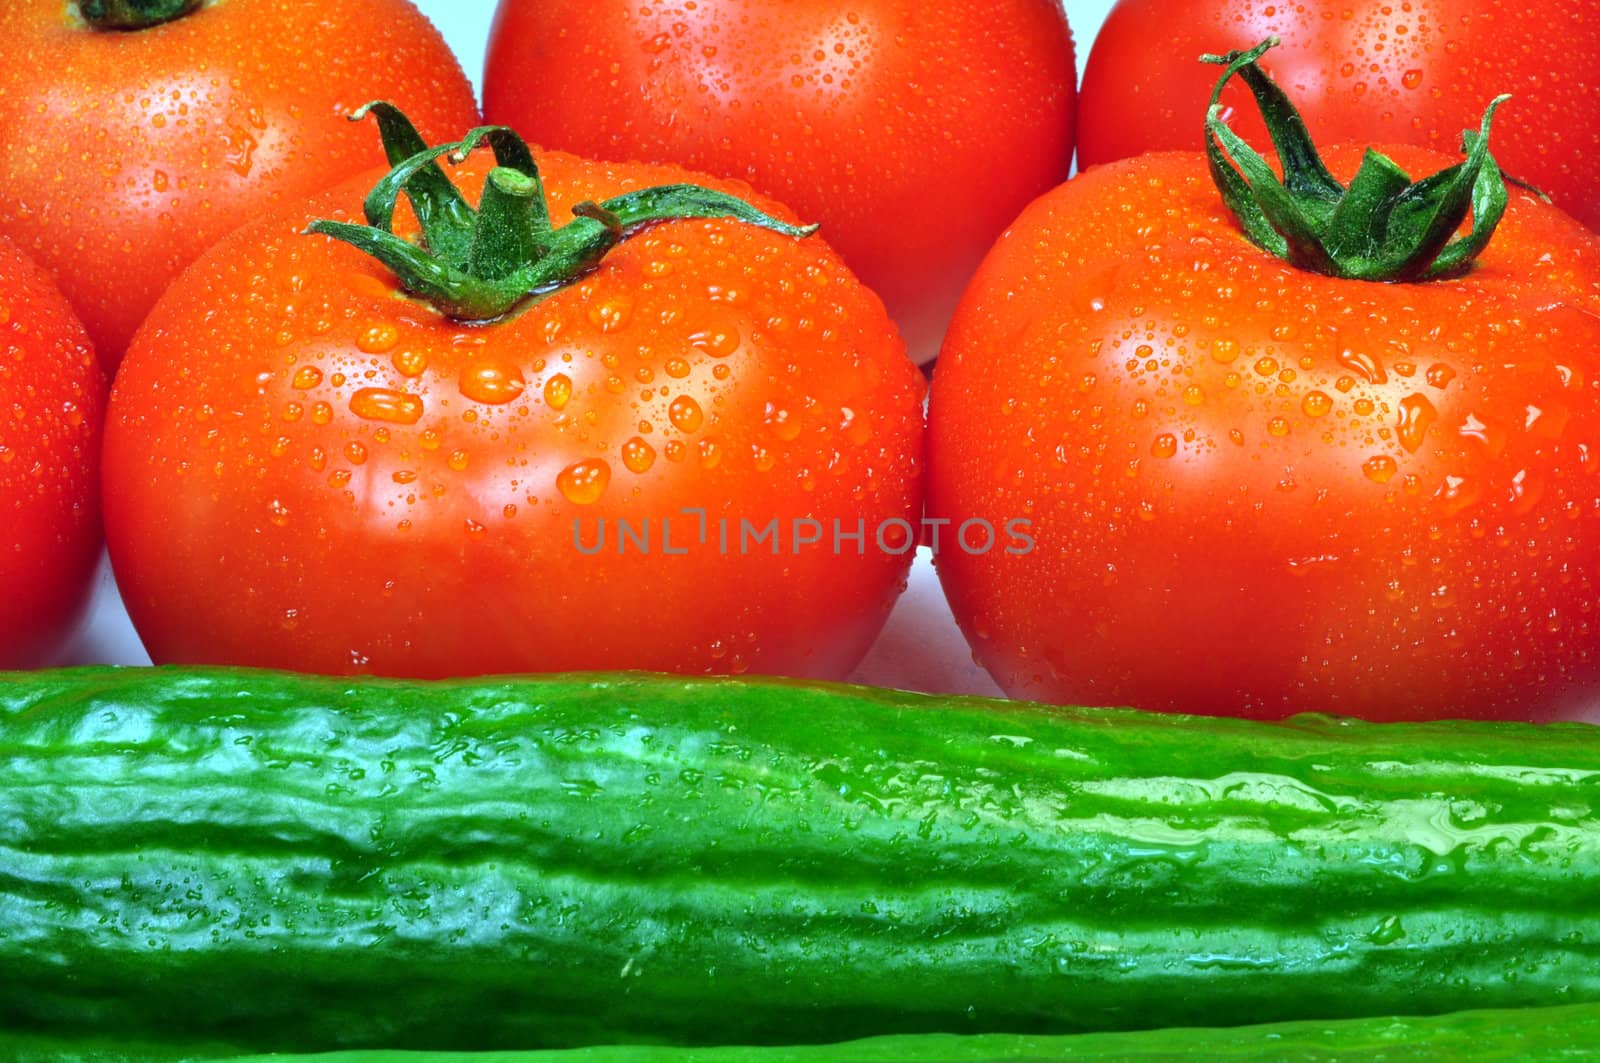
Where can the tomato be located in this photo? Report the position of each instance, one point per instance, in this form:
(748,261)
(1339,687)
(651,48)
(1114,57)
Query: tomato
(913,132)
(1250,488)
(1417,72)
(52,397)
(129,152)
(308,468)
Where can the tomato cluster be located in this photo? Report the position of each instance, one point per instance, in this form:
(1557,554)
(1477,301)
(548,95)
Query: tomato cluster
(1236,433)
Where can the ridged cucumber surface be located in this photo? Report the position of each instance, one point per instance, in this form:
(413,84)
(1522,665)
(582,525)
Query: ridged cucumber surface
(1529,1035)
(294,863)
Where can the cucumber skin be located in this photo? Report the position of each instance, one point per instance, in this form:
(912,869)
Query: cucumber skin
(1530,1035)
(297,863)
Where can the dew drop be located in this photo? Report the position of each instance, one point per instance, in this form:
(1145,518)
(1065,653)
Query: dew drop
(584,483)
(378,338)
(383,404)
(558,391)
(1417,415)
(612,314)
(685,414)
(1316,404)
(717,342)
(1364,366)
(1278,426)
(784,425)
(1439,375)
(638,455)
(306,378)
(491,383)
(409,363)
(1380,469)
(1165,446)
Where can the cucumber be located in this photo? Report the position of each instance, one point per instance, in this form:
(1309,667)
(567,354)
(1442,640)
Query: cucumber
(293,863)
(1529,1035)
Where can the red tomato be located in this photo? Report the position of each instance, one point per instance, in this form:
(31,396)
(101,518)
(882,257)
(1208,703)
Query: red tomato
(51,401)
(1258,490)
(1418,72)
(913,132)
(308,469)
(129,152)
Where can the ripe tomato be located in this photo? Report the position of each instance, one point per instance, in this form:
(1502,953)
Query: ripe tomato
(129,152)
(913,132)
(52,396)
(1259,490)
(306,468)
(1418,72)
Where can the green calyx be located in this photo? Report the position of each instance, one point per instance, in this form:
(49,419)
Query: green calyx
(1383,227)
(478,265)
(134,14)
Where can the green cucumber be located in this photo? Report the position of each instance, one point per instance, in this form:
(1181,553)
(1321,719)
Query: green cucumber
(295,863)
(1528,1035)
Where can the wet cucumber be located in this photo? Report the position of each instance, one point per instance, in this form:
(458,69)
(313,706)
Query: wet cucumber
(1529,1035)
(294,863)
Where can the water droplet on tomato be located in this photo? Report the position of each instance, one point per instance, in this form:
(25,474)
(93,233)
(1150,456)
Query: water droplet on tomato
(784,425)
(1417,415)
(710,453)
(378,338)
(306,378)
(558,391)
(1165,446)
(718,342)
(1380,469)
(491,383)
(1439,375)
(1278,426)
(384,404)
(584,483)
(686,414)
(638,455)
(408,362)
(1364,366)
(612,314)
(1316,404)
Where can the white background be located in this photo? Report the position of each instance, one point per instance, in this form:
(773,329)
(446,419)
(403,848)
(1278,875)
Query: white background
(921,649)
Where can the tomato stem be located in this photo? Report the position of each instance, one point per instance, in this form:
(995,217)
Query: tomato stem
(477,265)
(134,14)
(1383,227)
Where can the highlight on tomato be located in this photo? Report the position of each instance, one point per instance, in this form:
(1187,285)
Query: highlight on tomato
(559,416)
(913,132)
(52,401)
(140,132)
(1416,72)
(1321,442)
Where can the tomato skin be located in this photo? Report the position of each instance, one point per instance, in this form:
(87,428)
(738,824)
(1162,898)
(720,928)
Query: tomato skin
(913,133)
(255,516)
(52,400)
(130,153)
(1260,491)
(1419,72)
